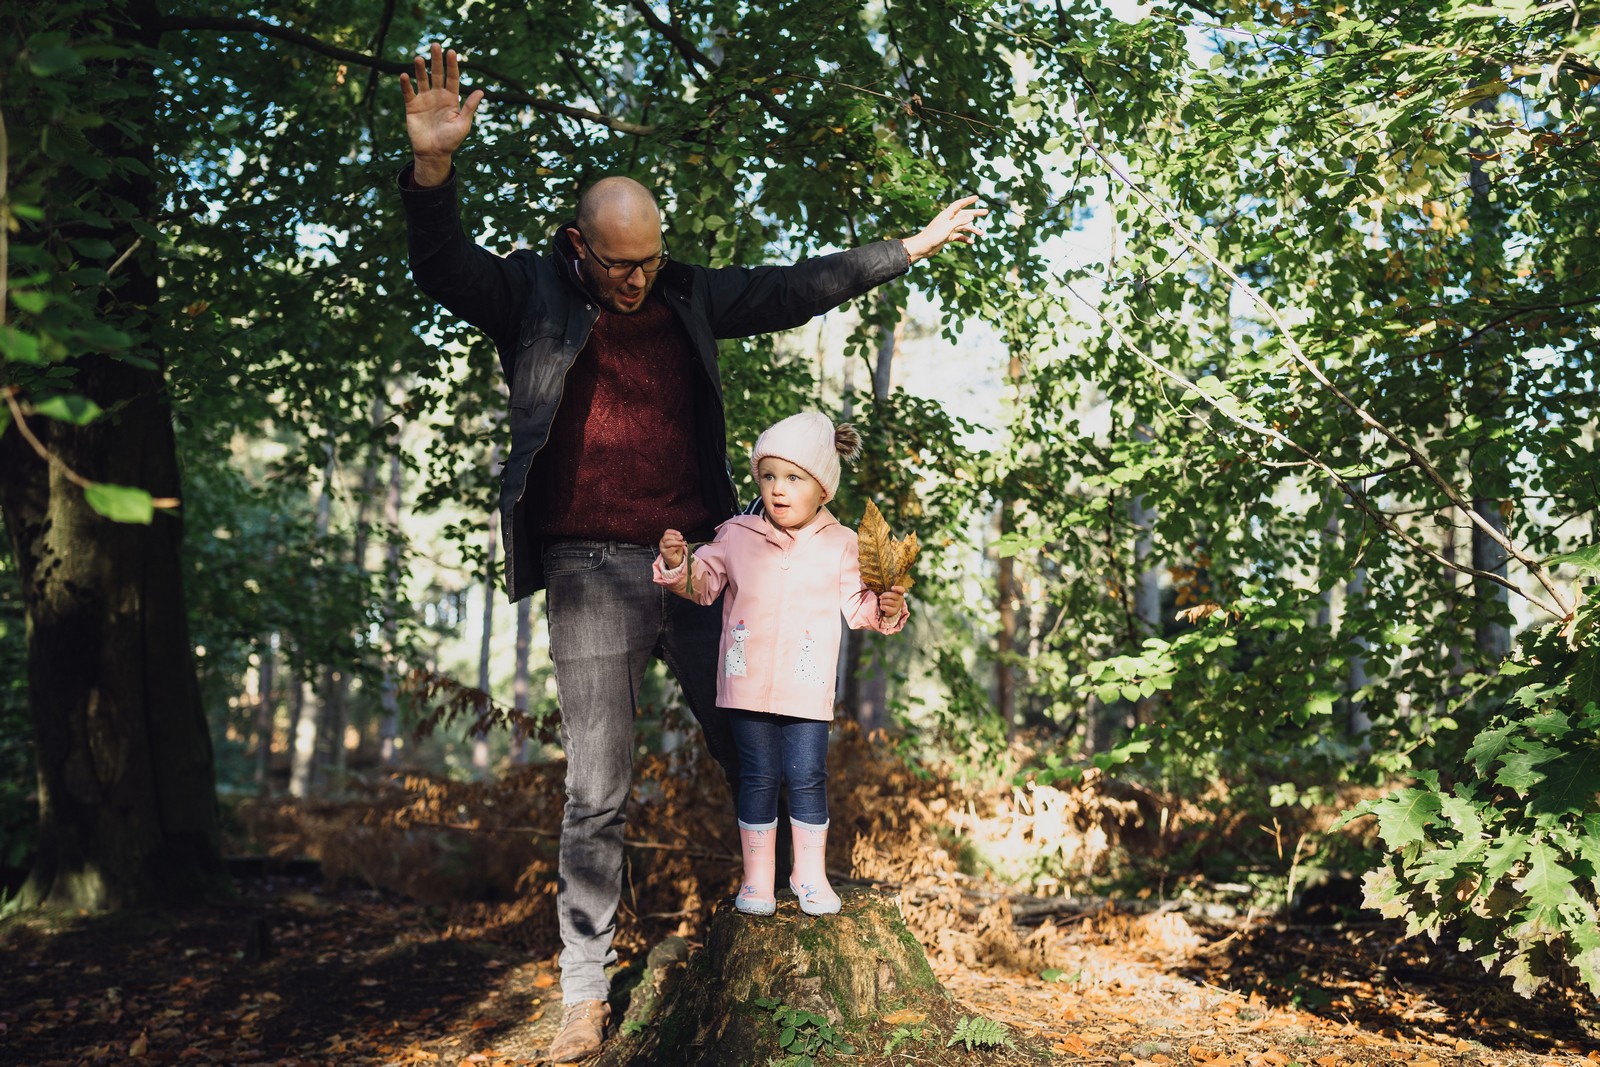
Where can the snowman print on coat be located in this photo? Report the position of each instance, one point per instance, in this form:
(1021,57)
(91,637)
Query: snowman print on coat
(733,665)
(806,670)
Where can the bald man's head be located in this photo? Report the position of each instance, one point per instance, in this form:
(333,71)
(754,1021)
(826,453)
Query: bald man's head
(618,225)
(617,201)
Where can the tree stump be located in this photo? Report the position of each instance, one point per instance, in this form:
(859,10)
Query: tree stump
(860,970)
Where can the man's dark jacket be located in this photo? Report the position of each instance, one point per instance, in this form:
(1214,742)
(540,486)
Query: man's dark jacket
(539,316)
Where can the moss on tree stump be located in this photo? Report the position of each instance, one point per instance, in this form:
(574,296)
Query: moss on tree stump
(860,970)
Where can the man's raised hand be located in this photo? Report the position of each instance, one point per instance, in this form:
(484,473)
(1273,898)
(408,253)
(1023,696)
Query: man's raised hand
(436,120)
(954,223)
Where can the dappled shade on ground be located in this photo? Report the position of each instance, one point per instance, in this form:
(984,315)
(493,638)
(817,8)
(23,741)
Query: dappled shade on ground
(452,961)
(298,975)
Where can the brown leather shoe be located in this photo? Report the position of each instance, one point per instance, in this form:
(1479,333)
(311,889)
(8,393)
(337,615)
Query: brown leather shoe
(583,1029)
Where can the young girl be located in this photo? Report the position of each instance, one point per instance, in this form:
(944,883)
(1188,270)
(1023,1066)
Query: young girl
(789,572)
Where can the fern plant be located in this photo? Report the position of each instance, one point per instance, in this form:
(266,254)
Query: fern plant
(903,1034)
(978,1032)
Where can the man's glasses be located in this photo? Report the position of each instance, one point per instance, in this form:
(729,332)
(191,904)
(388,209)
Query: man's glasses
(622,268)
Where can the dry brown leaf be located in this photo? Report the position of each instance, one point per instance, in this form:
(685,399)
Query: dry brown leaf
(885,562)
(906,1017)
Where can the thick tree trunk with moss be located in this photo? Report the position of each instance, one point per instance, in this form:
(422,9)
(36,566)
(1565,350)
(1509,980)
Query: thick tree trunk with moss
(861,971)
(127,792)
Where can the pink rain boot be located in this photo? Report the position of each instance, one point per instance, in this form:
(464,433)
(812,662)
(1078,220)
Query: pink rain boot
(810,878)
(760,847)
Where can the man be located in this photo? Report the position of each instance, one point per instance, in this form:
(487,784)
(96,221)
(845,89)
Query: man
(617,433)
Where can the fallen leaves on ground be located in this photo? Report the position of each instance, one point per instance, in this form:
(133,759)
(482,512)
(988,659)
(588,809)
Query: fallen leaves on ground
(455,962)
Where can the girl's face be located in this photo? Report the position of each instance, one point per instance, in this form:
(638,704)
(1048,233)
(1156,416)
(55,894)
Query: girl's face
(791,496)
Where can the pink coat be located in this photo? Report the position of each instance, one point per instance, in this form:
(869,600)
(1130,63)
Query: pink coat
(780,620)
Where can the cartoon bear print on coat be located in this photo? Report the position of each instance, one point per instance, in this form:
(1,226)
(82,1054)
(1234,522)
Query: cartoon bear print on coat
(806,670)
(733,665)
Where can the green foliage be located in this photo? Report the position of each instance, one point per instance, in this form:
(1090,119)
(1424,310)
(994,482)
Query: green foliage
(1504,855)
(979,1032)
(907,1033)
(67,196)
(802,1035)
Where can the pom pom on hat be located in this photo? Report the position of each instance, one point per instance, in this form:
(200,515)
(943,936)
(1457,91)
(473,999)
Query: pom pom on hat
(811,442)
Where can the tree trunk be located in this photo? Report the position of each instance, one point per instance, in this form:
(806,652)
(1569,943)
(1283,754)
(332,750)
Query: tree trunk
(389,731)
(302,739)
(311,718)
(336,748)
(480,745)
(127,786)
(865,685)
(1487,386)
(1358,724)
(519,679)
(1005,596)
(266,718)
(851,969)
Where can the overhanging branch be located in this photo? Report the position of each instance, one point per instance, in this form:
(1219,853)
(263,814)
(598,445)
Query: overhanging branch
(1406,447)
(514,95)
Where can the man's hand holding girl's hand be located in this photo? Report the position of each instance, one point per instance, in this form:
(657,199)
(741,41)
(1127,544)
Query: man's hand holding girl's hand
(892,605)
(673,548)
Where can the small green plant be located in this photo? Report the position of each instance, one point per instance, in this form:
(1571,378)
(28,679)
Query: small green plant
(1056,974)
(803,1035)
(633,1026)
(978,1032)
(903,1034)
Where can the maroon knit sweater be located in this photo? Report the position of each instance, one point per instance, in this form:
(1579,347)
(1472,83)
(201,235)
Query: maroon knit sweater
(620,464)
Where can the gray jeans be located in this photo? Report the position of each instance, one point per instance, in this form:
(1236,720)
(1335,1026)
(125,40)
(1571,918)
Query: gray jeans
(607,618)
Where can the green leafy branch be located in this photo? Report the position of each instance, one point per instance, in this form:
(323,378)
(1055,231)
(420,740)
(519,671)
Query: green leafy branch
(119,503)
(1559,605)
(1507,857)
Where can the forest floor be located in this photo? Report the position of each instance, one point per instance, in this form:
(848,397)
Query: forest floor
(295,974)
(453,961)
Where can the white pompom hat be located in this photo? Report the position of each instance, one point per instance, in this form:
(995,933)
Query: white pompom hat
(811,442)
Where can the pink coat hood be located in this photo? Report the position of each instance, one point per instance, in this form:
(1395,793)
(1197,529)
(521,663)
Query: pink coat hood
(786,592)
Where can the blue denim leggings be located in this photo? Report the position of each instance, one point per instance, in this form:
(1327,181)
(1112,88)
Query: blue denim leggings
(774,750)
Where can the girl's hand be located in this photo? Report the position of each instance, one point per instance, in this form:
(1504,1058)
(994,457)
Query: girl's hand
(673,548)
(892,605)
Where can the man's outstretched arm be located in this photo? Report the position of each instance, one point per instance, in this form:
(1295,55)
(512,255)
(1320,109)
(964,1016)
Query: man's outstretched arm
(755,300)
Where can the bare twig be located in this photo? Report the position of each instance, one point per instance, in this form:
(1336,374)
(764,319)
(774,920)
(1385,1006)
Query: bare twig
(696,60)
(18,417)
(120,260)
